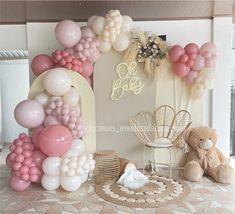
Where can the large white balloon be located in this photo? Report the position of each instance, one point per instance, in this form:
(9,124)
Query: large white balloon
(42,98)
(71,97)
(126,24)
(121,43)
(50,182)
(77,148)
(51,166)
(71,183)
(104,46)
(57,82)
(98,25)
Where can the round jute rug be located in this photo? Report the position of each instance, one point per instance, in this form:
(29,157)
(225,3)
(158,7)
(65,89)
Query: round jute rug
(159,191)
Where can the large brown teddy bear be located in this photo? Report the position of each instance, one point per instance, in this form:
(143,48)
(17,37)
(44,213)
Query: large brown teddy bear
(204,158)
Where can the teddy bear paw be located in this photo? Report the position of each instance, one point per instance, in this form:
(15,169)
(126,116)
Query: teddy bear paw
(193,171)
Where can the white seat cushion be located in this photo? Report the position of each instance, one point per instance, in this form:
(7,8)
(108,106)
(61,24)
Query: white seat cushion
(160,143)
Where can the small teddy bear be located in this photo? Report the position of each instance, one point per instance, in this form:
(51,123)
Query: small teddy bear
(204,158)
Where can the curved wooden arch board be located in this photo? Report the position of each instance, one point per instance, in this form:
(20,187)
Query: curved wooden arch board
(87,104)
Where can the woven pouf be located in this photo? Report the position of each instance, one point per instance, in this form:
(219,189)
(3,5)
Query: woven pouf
(159,191)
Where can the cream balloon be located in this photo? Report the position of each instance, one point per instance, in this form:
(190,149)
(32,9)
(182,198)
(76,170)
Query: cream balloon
(126,24)
(50,182)
(98,25)
(77,148)
(57,82)
(91,20)
(71,183)
(121,43)
(42,98)
(104,46)
(71,97)
(51,166)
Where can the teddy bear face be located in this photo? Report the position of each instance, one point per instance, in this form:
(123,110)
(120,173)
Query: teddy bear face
(203,138)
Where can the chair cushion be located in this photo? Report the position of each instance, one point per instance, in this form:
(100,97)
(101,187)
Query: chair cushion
(160,143)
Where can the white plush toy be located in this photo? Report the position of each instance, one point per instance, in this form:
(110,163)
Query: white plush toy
(132,178)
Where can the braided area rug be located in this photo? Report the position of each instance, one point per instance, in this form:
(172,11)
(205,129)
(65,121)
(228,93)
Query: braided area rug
(159,191)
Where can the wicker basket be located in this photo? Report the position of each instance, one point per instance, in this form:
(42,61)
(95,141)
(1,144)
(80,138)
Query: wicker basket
(107,167)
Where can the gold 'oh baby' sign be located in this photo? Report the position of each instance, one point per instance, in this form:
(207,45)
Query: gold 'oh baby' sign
(127,81)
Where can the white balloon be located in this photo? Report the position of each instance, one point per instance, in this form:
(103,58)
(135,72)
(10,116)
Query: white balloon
(121,43)
(71,183)
(42,98)
(84,177)
(76,149)
(57,82)
(71,97)
(104,46)
(197,91)
(126,24)
(51,120)
(98,25)
(50,182)
(91,20)
(51,165)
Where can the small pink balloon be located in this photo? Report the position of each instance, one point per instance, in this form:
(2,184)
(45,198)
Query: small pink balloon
(175,52)
(180,69)
(94,55)
(87,32)
(191,76)
(29,113)
(183,58)
(41,63)
(9,162)
(18,184)
(199,63)
(24,170)
(38,158)
(51,120)
(210,63)
(191,48)
(192,56)
(189,63)
(67,33)
(55,140)
(208,47)
(87,68)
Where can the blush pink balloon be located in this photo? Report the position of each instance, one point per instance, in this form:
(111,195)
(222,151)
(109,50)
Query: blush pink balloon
(55,140)
(9,162)
(18,184)
(191,48)
(29,113)
(180,69)
(208,47)
(38,158)
(67,33)
(183,58)
(41,63)
(175,52)
(51,120)
(191,76)
(36,131)
(199,63)
(87,32)
(87,68)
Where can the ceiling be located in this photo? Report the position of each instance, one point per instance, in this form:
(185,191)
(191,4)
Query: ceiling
(12,12)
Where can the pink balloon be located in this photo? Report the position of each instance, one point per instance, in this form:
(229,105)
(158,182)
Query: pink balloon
(189,63)
(87,68)
(18,184)
(67,33)
(210,63)
(38,158)
(55,140)
(175,52)
(180,69)
(41,63)
(191,48)
(199,63)
(94,55)
(29,114)
(208,47)
(87,32)
(36,131)
(191,76)
(183,58)
(51,120)
(9,162)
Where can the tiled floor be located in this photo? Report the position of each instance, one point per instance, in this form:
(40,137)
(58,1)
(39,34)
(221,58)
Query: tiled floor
(206,197)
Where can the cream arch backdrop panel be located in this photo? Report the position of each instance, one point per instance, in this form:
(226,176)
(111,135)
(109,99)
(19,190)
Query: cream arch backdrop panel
(87,101)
